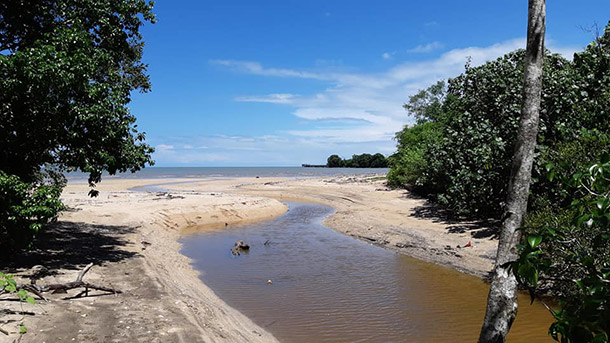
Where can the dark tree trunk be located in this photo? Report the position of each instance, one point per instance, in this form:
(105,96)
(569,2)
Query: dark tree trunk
(502,299)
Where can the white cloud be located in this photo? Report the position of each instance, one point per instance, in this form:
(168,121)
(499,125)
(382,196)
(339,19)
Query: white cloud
(386,55)
(357,112)
(257,69)
(565,51)
(374,101)
(281,98)
(164,147)
(426,48)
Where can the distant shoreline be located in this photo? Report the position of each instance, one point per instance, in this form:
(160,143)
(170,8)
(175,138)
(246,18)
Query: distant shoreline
(231,172)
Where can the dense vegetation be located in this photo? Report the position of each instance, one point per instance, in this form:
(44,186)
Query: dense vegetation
(459,154)
(67,70)
(358,161)
(570,256)
(460,148)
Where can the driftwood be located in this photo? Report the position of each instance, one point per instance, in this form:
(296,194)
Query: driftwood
(64,287)
(239,247)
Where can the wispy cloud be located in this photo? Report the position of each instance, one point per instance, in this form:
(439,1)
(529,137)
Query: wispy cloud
(281,98)
(356,112)
(426,48)
(375,100)
(257,69)
(387,55)
(164,147)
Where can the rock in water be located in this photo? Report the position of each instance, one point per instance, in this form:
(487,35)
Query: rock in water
(239,247)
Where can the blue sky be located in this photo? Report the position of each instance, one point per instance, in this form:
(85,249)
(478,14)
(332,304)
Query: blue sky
(280,83)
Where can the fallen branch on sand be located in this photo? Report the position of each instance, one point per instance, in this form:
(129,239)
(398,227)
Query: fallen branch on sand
(64,287)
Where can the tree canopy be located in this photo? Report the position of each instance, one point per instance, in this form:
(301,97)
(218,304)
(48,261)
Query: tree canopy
(67,72)
(459,151)
(459,154)
(358,161)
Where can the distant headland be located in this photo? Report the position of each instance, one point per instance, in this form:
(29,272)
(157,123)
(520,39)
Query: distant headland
(377,160)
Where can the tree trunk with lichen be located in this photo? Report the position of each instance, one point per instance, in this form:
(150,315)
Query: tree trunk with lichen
(502,299)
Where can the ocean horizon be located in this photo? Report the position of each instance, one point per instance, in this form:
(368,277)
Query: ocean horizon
(225,172)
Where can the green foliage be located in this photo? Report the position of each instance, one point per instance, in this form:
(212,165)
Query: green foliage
(558,162)
(427,104)
(358,161)
(471,164)
(67,72)
(573,258)
(409,165)
(460,149)
(334,161)
(24,208)
(8,284)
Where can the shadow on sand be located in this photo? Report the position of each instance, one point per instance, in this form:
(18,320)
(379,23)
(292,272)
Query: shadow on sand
(478,228)
(72,245)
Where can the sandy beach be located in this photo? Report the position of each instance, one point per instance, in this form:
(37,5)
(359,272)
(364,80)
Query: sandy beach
(132,237)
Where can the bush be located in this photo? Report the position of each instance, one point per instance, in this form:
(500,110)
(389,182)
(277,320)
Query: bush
(409,165)
(358,161)
(460,150)
(570,255)
(24,209)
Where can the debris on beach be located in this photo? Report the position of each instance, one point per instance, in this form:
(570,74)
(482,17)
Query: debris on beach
(467,245)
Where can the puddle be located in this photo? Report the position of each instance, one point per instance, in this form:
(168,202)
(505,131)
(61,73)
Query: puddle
(327,287)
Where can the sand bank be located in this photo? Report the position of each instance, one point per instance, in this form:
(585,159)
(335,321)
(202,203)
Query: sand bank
(393,218)
(132,237)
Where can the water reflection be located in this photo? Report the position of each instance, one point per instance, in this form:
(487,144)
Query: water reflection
(327,287)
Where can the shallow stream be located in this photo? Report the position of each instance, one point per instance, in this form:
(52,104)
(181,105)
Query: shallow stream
(327,287)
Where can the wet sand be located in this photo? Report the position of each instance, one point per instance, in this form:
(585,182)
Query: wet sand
(132,238)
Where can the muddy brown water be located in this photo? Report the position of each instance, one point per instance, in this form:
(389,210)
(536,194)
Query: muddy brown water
(327,287)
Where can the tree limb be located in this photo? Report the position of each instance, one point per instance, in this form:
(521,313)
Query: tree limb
(63,287)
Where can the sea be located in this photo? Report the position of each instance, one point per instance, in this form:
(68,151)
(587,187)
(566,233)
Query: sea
(231,172)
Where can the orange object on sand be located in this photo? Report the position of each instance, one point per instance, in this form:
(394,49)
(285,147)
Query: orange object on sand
(468,245)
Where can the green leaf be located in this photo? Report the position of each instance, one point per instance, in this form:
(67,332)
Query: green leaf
(600,338)
(533,277)
(582,219)
(30,300)
(22,329)
(534,241)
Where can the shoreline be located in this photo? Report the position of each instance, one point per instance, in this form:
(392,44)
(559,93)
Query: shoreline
(158,280)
